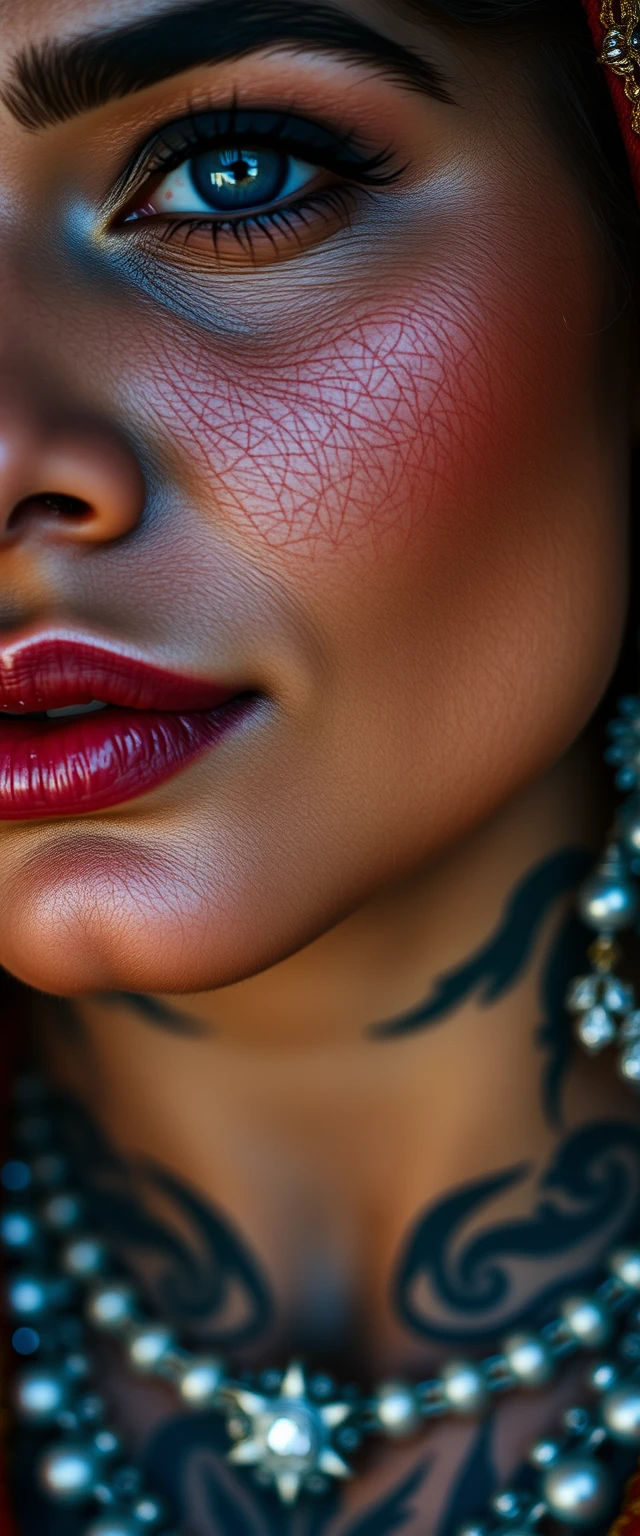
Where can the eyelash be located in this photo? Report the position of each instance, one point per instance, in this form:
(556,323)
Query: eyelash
(204,132)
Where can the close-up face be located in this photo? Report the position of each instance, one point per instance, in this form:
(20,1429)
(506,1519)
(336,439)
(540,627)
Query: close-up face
(314,426)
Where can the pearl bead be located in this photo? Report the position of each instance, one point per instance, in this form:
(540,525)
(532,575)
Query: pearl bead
(396,1410)
(508,1505)
(544,1454)
(111,1306)
(464,1387)
(620,1410)
(583,994)
(83,1257)
(28,1295)
(18,1230)
(529,1359)
(629,1064)
(618,996)
(288,1436)
(106,1443)
(113,1525)
(629,824)
(149,1512)
(625,1265)
(603,1376)
(39,1394)
(199,1382)
(61,1212)
(148,1344)
(578,1490)
(608,901)
(67,1472)
(588,1320)
(596,1030)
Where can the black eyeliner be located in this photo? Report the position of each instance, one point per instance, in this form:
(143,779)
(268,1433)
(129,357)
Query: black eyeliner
(200,132)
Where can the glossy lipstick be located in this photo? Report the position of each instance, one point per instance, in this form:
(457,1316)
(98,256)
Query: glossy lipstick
(142,725)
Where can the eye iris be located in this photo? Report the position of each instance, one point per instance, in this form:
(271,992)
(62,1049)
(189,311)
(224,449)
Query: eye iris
(233,178)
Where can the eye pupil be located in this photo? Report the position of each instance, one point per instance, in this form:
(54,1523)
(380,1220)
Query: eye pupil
(232,179)
(237,169)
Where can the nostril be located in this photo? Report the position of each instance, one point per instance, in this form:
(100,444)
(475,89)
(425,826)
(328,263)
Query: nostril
(50,504)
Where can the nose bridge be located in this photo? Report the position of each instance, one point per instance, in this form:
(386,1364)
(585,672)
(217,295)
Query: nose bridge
(64,472)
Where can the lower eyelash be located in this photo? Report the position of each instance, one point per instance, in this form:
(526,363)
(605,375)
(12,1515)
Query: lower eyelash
(243,229)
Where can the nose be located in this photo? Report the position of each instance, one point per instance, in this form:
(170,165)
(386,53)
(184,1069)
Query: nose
(78,483)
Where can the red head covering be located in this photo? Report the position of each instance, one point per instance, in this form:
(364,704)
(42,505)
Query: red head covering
(616,29)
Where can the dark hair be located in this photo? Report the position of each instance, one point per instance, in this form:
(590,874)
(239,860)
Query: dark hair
(566,76)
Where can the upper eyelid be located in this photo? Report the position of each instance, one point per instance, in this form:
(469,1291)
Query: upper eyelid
(337,147)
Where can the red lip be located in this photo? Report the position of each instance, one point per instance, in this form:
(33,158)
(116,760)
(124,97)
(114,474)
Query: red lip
(157,723)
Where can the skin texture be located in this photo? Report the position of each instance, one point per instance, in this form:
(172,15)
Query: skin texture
(303,1004)
(340,511)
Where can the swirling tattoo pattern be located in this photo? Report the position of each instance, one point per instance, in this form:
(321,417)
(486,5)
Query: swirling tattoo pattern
(197,1272)
(458,1279)
(501,963)
(464,1274)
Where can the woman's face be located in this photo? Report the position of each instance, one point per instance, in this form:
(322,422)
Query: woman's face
(317,335)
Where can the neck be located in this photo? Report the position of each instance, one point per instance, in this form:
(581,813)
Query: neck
(384,1151)
(333,1105)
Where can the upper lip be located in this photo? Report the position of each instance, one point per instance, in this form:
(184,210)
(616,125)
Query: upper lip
(53,671)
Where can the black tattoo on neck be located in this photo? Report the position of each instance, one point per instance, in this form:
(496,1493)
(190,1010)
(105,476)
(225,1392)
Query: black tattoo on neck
(460,1281)
(500,963)
(566,959)
(197,1271)
(158,1015)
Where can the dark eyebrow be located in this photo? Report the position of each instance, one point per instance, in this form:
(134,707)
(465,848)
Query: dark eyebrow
(55,81)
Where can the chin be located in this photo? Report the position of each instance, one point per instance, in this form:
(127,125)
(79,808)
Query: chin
(93,913)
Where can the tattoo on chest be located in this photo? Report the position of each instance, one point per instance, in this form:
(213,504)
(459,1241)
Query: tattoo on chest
(185,1459)
(197,1271)
(466,1275)
(474,1484)
(501,963)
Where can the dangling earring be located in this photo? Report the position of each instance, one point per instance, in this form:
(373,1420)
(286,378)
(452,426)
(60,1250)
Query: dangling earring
(604,1007)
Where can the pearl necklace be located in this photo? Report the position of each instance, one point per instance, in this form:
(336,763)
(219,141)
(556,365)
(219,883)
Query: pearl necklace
(290,1430)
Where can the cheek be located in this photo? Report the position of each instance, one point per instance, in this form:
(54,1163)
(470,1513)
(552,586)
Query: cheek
(408,414)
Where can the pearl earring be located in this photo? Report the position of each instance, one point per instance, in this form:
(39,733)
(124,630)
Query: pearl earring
(604,1007)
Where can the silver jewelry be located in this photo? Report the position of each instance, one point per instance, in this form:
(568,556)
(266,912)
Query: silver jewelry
(294,1433)
(605,1009)
(291,1431)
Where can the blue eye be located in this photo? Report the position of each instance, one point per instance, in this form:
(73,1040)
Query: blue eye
(231,180)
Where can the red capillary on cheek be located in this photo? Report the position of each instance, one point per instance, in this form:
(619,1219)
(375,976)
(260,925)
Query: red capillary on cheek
(362,434)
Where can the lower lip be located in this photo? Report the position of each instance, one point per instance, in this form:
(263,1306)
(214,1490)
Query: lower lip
(99,760)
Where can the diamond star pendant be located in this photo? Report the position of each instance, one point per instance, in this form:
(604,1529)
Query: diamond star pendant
(287,1437)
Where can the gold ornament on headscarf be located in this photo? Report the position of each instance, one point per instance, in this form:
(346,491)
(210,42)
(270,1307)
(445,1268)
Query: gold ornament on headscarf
(621,47)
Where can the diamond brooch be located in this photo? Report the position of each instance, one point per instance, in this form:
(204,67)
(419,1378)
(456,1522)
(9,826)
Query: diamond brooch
(288,1438)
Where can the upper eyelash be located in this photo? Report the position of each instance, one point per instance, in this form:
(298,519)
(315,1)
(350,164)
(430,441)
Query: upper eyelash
(206,130)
